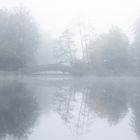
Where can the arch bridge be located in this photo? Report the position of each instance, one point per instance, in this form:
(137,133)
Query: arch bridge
(50,68)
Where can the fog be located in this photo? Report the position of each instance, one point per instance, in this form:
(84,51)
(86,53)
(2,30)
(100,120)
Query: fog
(78,108)
(55,15)
(69,70)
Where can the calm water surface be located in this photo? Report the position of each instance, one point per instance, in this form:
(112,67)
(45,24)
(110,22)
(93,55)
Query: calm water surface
(36,108)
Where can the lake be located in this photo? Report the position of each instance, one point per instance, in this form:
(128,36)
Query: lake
(69,108)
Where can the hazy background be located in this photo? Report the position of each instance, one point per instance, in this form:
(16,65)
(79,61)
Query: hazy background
(55,15)
(91,32)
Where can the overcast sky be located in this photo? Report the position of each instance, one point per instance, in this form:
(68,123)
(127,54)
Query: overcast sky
(55,15)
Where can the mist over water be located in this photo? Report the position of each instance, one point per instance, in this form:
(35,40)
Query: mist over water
(79,108)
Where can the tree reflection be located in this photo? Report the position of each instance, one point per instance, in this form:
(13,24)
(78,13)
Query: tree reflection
(18,110)
(108,100)
(71,105)
(65,98)
(134,103)
(79,103)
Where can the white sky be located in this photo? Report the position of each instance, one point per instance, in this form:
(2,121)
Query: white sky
(55,15)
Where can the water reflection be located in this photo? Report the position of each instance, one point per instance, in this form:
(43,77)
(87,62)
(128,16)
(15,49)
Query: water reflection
(78,101)
(18,110)
(108,100)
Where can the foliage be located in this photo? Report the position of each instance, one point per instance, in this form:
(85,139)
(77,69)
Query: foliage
(109,52)
(18,39)
(65,50)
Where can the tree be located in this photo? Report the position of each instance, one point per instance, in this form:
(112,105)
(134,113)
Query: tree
(65,50)
(110,51)
(19,39)
(135,48)
(86,34)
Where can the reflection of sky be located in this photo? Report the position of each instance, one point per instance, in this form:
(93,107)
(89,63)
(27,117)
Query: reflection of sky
(53,128)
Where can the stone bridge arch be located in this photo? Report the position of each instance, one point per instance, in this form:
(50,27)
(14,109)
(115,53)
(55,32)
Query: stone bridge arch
(50,67)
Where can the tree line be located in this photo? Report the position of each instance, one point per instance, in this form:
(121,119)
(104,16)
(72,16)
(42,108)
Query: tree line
(105,54)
